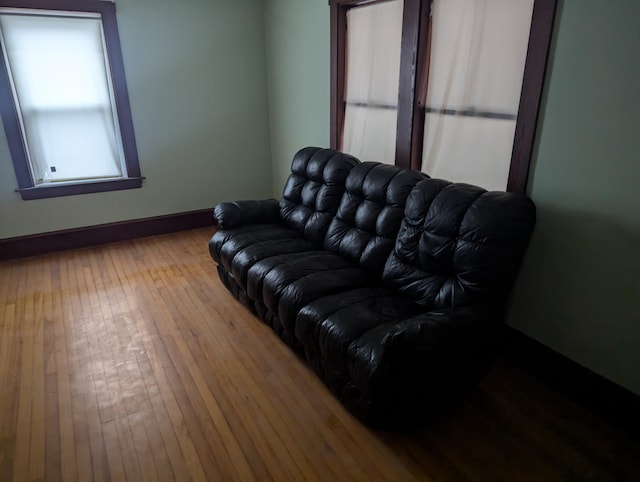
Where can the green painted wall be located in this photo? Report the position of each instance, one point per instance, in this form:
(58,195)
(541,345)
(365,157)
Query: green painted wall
(297,33)
(196,73)
(579,290)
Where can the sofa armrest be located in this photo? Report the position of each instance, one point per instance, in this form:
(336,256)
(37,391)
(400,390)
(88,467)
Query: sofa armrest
(434,357)
(239,213)
(446,327)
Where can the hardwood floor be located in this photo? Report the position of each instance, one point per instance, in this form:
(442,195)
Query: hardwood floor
(131,362)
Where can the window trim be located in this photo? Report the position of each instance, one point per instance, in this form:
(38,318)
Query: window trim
(416,30)
(414,65)
(26,187)
(535,69)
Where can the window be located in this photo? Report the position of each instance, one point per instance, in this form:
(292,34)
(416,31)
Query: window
(469,75)
(64,104)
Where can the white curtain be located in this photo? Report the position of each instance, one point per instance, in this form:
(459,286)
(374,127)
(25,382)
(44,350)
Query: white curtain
(374,35)
(60,79)
(478,53)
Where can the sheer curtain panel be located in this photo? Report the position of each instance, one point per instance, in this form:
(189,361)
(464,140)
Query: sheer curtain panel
(478,53)
(374,34)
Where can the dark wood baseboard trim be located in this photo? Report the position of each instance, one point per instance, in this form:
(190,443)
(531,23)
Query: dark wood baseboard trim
(31,245)
(612,402)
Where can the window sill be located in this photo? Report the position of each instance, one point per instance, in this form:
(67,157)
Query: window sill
(47,191)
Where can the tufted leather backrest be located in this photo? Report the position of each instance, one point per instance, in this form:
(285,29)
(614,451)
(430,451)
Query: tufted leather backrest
(459,244)
(365,226)
(313,191)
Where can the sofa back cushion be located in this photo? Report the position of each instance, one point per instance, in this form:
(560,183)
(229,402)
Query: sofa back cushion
(313,191)
(365,227)
(459,244)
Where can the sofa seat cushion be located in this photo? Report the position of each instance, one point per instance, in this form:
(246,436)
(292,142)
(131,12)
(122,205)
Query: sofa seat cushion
(336,326)
(250,255)
(225,244)
(343,335)
(285,283)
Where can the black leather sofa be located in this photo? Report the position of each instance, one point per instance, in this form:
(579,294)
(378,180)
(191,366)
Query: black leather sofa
(392,285)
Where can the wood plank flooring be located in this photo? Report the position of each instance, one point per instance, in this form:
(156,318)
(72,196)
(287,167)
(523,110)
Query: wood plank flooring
(131,362)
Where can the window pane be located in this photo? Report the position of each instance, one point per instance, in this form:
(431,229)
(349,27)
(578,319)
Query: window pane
(68,138)
(60,79)
(478,54)
(374,35)
(474,150)
(371,133)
